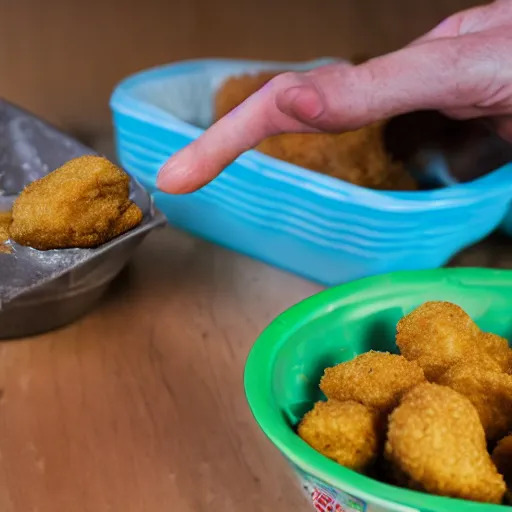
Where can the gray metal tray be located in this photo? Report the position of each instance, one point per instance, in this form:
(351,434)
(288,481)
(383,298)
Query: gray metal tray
(42,290)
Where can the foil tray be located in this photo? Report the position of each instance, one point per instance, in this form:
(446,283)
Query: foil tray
(43,290)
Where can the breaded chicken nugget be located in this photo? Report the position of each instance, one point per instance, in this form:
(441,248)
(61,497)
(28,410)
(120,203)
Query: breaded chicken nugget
(489,391)
(497,347)
(438,335)
(346,432)
(375,379)
(84,203)
(477,360)
(5,222)
(502,458)
(359,157)
(437,443)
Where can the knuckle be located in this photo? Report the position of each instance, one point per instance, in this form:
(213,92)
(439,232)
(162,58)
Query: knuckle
(277,121)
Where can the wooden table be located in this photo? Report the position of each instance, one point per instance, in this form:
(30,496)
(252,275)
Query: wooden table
(140,406)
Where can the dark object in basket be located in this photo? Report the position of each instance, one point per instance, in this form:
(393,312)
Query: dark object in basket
(470,150)
(44,290)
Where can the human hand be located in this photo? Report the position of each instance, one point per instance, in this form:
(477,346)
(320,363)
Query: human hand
(463,68)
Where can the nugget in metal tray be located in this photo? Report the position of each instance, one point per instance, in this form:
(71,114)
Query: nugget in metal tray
(30,149)
(83,204)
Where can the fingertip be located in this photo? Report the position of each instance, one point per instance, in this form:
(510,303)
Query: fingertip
(171,177)
(162,176)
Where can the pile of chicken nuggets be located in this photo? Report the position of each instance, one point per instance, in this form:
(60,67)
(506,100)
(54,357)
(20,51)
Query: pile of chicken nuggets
(437,418)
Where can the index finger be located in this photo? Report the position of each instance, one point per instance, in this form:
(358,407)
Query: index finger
(432,75)
(240,130)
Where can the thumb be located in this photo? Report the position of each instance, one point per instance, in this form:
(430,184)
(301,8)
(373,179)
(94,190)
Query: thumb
(336,98)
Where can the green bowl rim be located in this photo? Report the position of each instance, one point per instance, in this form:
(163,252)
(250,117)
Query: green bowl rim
(258,390)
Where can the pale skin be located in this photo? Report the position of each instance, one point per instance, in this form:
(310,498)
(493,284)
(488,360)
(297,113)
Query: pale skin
(463,68)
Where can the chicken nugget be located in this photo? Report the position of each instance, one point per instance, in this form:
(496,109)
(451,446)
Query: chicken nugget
(437,444)
(346,432)
(438,335)
(358,156)
(502,458)
(497,348)
(490,392)
(5,222)
(375,379)
(84,203)
(479,361)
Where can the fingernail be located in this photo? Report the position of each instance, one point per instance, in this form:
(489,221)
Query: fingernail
(161,177)
(168,173)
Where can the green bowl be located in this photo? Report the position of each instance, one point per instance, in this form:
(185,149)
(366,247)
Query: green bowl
(288,359)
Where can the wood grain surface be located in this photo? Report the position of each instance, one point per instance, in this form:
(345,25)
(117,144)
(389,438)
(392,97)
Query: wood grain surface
(140,406)
(62,58)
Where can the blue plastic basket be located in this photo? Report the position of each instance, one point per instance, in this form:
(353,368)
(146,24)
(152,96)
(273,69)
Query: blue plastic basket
(506,225)
(438,173)
(313,225)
